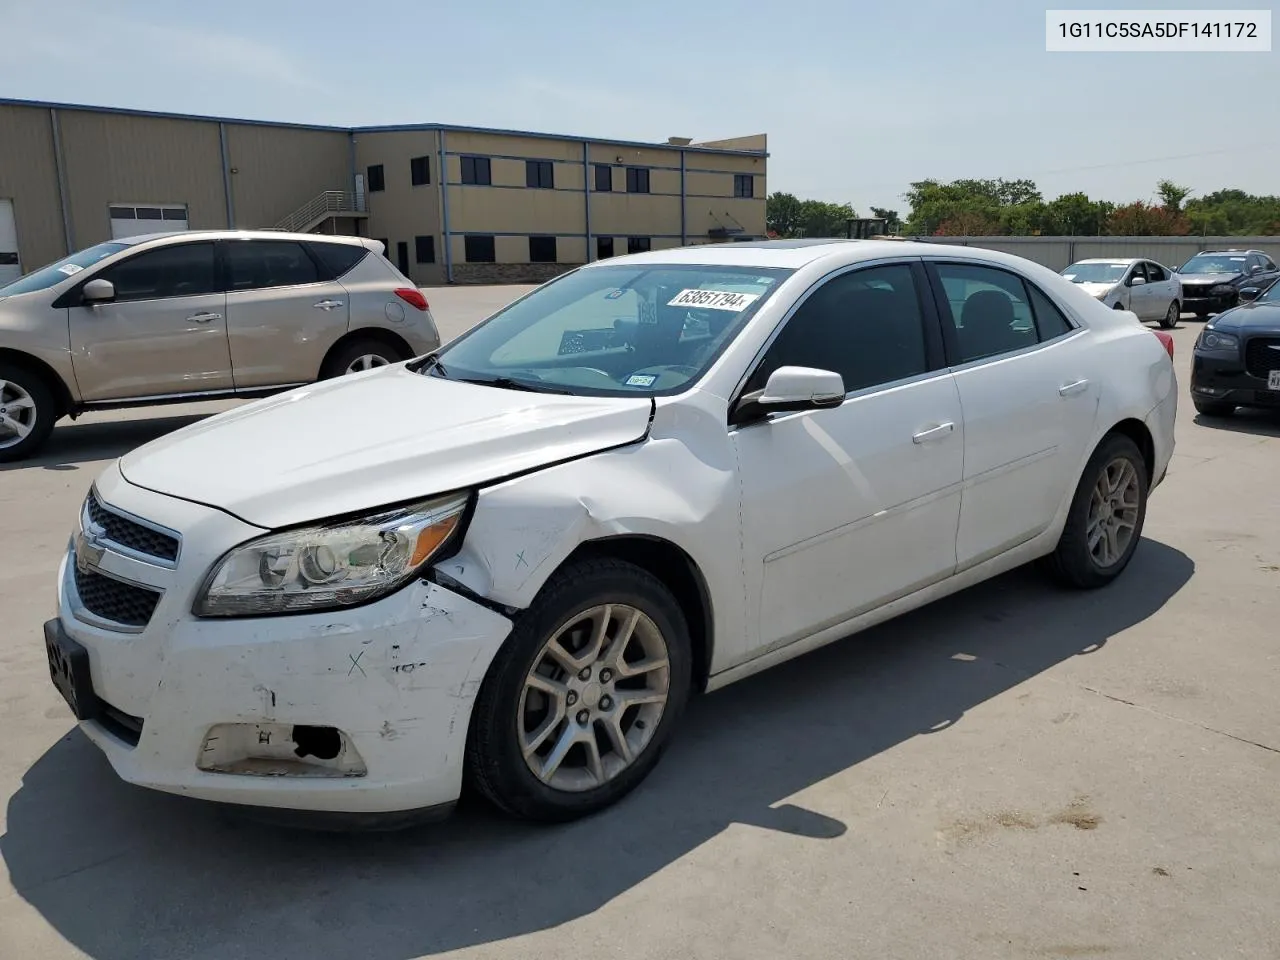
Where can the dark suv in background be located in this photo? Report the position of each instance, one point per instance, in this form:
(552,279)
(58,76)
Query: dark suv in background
(1212,279)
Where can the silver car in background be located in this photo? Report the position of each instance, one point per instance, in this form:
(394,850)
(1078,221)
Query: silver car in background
(194,316)
(1148,289)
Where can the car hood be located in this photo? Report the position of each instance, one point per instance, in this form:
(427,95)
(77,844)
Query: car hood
(1208,278)
(1254,317)
(1095,289)
(373,439)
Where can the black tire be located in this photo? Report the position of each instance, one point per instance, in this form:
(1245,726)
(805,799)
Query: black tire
(1170,319)
(495,766)
(1117,306)
(45,410)
(1202,315)
(336,364)
(1072,563)
(1213,408)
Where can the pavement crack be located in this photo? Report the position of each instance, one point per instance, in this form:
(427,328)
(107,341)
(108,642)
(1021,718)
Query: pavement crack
(80,869)
(1193,723)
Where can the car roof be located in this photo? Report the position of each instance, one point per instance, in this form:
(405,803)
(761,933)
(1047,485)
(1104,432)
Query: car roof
(1214,253)
(237,235)
(794,254)
(1115,260)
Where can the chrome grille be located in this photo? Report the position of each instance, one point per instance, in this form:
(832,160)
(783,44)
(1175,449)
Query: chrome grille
(1261,356)
(131,534)
(113,599)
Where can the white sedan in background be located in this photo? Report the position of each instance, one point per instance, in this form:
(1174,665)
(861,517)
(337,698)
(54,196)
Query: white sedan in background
(1150,290)
(512,561)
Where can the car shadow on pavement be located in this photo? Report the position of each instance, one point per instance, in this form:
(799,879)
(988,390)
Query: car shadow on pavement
(74,443)
(1261,423)
(127,874)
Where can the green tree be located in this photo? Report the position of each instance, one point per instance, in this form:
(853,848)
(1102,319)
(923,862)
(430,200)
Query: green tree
(1139,219)
(1074,214)
(821,219)
(893,221)
(782,214)
(1172,195)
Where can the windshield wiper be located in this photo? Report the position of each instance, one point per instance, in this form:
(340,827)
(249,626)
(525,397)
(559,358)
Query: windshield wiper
(506,383)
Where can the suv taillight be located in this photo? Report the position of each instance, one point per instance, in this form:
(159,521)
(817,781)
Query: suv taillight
(1166,339)
(412,297)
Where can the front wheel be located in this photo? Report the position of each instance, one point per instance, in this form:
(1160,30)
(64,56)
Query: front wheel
(1171,316)
(1105,521)
(584,695)
(27,412)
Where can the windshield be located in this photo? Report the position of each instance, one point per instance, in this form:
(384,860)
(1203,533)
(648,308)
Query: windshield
(1095,272)
(613,331)
(58,271)
(1215,264)
(1271,294)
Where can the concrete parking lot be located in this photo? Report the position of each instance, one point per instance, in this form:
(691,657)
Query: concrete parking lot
(1016,771)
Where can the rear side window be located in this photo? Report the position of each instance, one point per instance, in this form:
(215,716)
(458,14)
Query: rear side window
(184,270)
(990,311)
(1050,322)
(256,264)
(1155,273)
(338,258)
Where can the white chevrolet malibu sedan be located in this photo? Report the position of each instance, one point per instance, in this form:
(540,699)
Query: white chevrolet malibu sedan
(512,562)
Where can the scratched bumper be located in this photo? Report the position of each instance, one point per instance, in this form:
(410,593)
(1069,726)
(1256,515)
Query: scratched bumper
(398,677)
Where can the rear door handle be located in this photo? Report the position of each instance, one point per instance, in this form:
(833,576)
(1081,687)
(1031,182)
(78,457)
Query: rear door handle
(327,304)
(1071,389)
(933,433)
(204,317)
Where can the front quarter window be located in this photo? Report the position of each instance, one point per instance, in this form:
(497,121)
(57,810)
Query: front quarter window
(619,330)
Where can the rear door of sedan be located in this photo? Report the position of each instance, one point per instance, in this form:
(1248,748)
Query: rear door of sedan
(1029,390)
(846,508)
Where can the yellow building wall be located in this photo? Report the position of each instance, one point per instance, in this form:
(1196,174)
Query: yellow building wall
(29,177)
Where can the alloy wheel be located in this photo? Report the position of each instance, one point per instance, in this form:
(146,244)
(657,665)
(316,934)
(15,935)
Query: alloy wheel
(1113,512)
(594,697)
(367,362)
(17,413)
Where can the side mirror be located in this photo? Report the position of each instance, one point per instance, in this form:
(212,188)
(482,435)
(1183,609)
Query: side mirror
(1256,268)
(97,291)
(1137,281)
(789,389)
(1249,293)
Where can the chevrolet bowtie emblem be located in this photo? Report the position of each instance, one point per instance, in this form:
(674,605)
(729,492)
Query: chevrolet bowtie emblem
(89,546)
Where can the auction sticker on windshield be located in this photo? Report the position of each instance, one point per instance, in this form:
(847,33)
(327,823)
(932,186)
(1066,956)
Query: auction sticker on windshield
(714,300)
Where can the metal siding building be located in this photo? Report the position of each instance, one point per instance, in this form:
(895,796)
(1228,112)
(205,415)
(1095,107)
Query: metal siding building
(453,204)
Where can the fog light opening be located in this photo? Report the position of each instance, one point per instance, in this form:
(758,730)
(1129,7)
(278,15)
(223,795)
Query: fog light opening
(323,743)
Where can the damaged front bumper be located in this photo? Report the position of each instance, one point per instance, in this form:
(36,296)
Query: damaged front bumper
(359,711)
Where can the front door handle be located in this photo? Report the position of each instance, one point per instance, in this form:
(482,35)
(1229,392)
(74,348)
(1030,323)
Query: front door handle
(204,317)
(933,433)
(327,304)
(1071,389)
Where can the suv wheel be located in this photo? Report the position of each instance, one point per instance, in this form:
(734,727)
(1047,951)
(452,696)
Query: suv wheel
(1105,521)
(364,354)
(27,412)
(584,695)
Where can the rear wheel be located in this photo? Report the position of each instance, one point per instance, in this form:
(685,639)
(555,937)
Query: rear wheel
(27,412)
(358,355)
(583,696)
(1104,524)
(1213,408)
(1171,316)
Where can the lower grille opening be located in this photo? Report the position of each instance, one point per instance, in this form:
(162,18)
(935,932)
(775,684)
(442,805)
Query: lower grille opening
(122,726)
(115,600)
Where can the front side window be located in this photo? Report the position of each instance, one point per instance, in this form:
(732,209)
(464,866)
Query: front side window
(62,269)
(1138,273)
(258,264)
(866,325)
(994,312)
(1155,273)
(182,270)
(613,330)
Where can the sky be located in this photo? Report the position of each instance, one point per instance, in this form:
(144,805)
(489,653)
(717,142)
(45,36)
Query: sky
(858,98)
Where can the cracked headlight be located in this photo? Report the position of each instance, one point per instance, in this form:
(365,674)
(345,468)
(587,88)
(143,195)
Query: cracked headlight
(330,565)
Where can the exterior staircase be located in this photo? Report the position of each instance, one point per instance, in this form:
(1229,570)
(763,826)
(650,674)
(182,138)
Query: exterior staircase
(329,205)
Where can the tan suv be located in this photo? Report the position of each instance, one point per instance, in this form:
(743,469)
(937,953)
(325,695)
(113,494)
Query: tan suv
(196,316)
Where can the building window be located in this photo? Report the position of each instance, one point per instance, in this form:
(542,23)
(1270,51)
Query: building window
(540,174)
(424,249)
(743,185)
(604,178)
(479,249)
(476,170)
(542,249)
(604,248)
(637,180)
(420,171)
(374,179)
(637,244)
